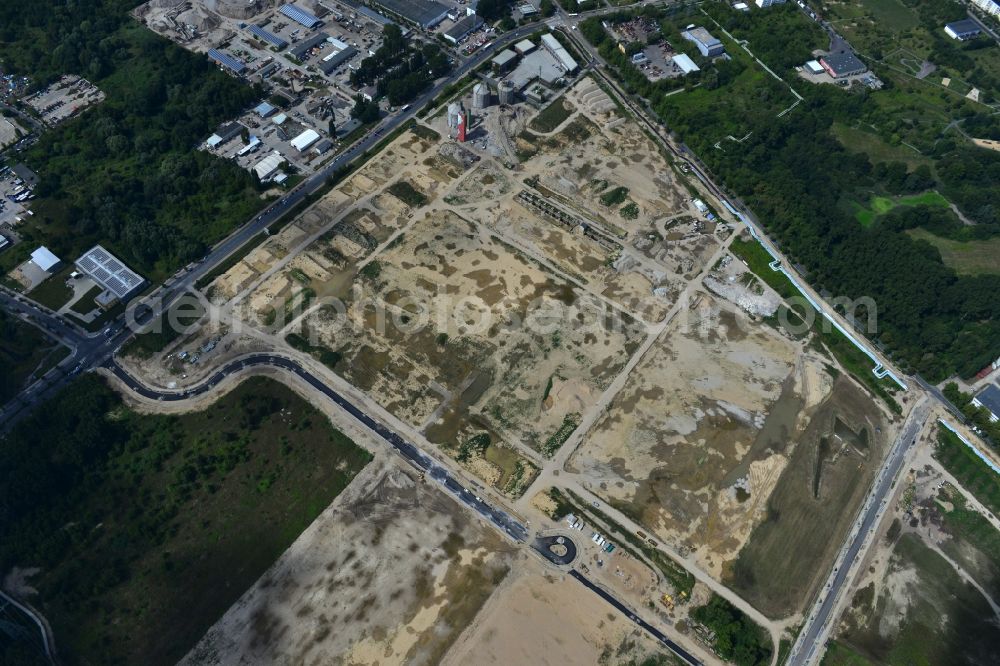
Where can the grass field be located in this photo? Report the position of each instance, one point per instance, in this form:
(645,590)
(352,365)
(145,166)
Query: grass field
(53,293)
(881,205)
(24,351)
(86,303)
(974,474)
(171,517)
(965,258)
(861,141)
(975,542)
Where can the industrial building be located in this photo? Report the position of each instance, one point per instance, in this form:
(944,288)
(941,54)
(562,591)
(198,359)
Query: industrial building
(223,133)
(845,63)
(539,64)
(268,166)
(337,58)
(424,14)
(227,61)
(461,30)
(265,109)
(685,63)
(45,260)
(989,399)
(267,37)
(118,281)
(991,7)
(524,47)
(304,140)
(504,61)
(300,16)
(767,3)
(302,48)
(559,52)
(813,67)
(963,30)
(708,45)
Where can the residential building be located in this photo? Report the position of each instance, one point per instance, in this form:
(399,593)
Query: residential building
(991,7)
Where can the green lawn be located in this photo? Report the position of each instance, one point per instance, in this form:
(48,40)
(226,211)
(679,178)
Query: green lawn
(54,292)
(86,303)
(881,205)
(965,257)
(146,528)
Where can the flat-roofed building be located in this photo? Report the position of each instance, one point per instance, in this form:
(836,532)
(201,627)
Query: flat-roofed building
(424,14)
(299,15)
(524,47)
(845,63)
(684,63)
(559,52)
(963,30)
(304,140)
(268,166)
(991,7)
(989,399)
(118,281)
(461,30)
(44,259)
(504,61)
(708,45)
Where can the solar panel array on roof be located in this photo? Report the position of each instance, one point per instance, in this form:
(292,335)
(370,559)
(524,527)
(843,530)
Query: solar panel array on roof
(108,272)
(299,16)
(227,61)
(268,37)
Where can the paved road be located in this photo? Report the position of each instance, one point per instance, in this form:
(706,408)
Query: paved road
(498,517)
(810,642)
(544,545)
(657,634)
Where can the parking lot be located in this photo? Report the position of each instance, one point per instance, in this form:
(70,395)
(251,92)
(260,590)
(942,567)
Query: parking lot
(64,99)
(12,212)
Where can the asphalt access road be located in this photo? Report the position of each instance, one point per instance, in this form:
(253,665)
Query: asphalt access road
(657,634)
(809,641)
(501,519)
(544,546)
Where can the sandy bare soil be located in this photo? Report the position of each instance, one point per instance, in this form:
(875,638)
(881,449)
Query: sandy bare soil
(696,442)
(389,574)
(538,617)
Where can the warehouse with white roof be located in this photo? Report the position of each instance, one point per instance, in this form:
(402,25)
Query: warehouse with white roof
(304,140)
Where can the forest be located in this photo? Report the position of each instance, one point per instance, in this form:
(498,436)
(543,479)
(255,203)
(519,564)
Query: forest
(146,528)
(126,172)
(795,176)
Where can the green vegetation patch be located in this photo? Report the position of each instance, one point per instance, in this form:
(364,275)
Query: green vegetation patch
(973,257)
(405,192)
(146,528)
(882,205)
(24,352)
(972,472)
(554,441)
(159,333)
(329,357)
(614,196)
(125,173)
(734,636)
(53,293)
(86,303)
(552,116)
